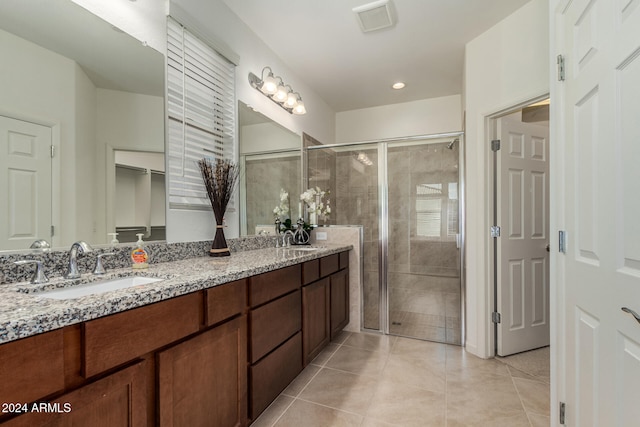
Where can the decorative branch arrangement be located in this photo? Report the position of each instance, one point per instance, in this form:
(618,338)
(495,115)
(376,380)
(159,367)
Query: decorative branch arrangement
(220,179)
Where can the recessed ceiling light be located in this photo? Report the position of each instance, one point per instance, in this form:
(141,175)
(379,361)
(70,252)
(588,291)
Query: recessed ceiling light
(398,85)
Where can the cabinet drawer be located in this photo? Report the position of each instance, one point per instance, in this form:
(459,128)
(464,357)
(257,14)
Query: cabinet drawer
(32,368)
(329,265)
(273,323)
(274,373)
(116,339)
(225,301)
(267,286)
(344,259)
(310,271)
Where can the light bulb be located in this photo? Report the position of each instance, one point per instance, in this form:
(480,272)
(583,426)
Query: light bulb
(269,85)
(291,101)
(299,108)
(281,94)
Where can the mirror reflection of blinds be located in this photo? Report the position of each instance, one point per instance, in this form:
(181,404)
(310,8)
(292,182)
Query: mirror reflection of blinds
(201,114)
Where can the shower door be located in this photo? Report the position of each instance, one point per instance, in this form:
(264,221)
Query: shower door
(423,255)
(406,197)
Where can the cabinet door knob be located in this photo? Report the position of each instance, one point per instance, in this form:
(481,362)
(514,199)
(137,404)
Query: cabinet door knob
(631,312)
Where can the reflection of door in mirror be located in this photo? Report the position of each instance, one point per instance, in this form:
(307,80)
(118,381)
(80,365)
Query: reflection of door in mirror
(25,183)
(139,199)
(92,96)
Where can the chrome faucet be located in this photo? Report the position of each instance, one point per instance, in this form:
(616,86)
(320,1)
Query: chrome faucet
(78,247)
(38,274)
(99,268)
(286,243)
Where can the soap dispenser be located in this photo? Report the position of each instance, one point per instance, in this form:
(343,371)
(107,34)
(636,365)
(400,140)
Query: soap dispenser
(139,256)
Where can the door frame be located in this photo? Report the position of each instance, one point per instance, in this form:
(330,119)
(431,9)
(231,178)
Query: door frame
(490,121)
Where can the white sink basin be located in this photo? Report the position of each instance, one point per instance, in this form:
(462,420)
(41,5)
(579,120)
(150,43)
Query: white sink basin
(97,287)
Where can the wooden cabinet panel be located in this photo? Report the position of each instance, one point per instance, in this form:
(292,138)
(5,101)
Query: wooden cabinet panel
(329,265)
(339,301)
(32,367)
(274,373)
(265,287)
(344,260)
(273,323)
(117,400)
(315,319)
(119,338)
(225,301)
(310,271)
(203,381)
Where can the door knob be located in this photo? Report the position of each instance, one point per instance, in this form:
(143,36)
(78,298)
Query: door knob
(631,312)
(547,247)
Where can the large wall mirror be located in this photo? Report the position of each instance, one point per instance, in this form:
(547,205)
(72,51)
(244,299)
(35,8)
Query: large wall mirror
(270,160)
(70,80)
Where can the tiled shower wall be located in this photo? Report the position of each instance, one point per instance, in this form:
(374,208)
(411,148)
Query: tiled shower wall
(264,179)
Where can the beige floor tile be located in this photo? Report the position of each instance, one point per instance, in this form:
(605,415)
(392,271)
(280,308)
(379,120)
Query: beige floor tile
(301,381)
(534,395)
(539,420)
(407,347)
(423,373)
(368,422)
(481,397)
(341,338)
(517,373)
(340,390)
(273,412)
(357,361)
(322,358)
(407,406)
(459,361)
(308,414)
(371,342)
(513,420)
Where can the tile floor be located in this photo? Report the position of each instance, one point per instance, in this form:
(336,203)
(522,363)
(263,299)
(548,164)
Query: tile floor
(374,381)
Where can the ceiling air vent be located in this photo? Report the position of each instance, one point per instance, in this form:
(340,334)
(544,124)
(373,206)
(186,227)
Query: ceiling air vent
(374,16)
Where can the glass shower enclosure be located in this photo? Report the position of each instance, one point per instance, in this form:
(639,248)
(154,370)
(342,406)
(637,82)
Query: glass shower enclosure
(407,196)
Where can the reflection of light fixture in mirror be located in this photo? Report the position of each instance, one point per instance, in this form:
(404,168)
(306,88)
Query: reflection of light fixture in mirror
(364,159)
(276,90)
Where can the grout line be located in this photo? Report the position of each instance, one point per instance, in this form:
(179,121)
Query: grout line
(524,408)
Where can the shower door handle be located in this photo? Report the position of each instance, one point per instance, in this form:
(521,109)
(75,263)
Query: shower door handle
(631,312)
(458,241)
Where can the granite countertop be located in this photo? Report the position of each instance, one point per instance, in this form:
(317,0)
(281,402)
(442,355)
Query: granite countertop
(23,313)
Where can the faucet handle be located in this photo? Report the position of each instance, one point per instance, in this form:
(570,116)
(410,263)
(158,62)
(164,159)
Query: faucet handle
(99,268)
(38,275)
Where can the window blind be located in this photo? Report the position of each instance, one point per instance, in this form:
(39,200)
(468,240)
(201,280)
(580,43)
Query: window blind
(201,114)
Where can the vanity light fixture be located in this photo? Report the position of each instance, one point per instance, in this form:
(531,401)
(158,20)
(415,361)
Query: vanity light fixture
(274,88)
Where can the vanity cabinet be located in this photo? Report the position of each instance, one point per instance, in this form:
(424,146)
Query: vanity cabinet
(325,302)
(203,381)
(275,338)
(214,357)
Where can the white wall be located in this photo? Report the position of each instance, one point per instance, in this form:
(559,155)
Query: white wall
(267,137)
(505,66)
(214,20)
(46,98)
(424,117)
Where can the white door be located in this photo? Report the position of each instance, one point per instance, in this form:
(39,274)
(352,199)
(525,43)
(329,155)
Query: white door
(25,183)
(523,214)
(598,204)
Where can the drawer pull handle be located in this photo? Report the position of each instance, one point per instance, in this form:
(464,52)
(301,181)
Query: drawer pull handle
(631,312)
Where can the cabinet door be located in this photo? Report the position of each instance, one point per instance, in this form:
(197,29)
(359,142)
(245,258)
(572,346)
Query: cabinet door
(118,400)
(315,319)
(203,381)
(339,301)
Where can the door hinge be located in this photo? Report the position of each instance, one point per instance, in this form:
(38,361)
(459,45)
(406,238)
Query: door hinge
(53,229)
(495,231)
(561,412)
(496,317)
(560,62)
(495,145)
(53,151)
(562,241)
